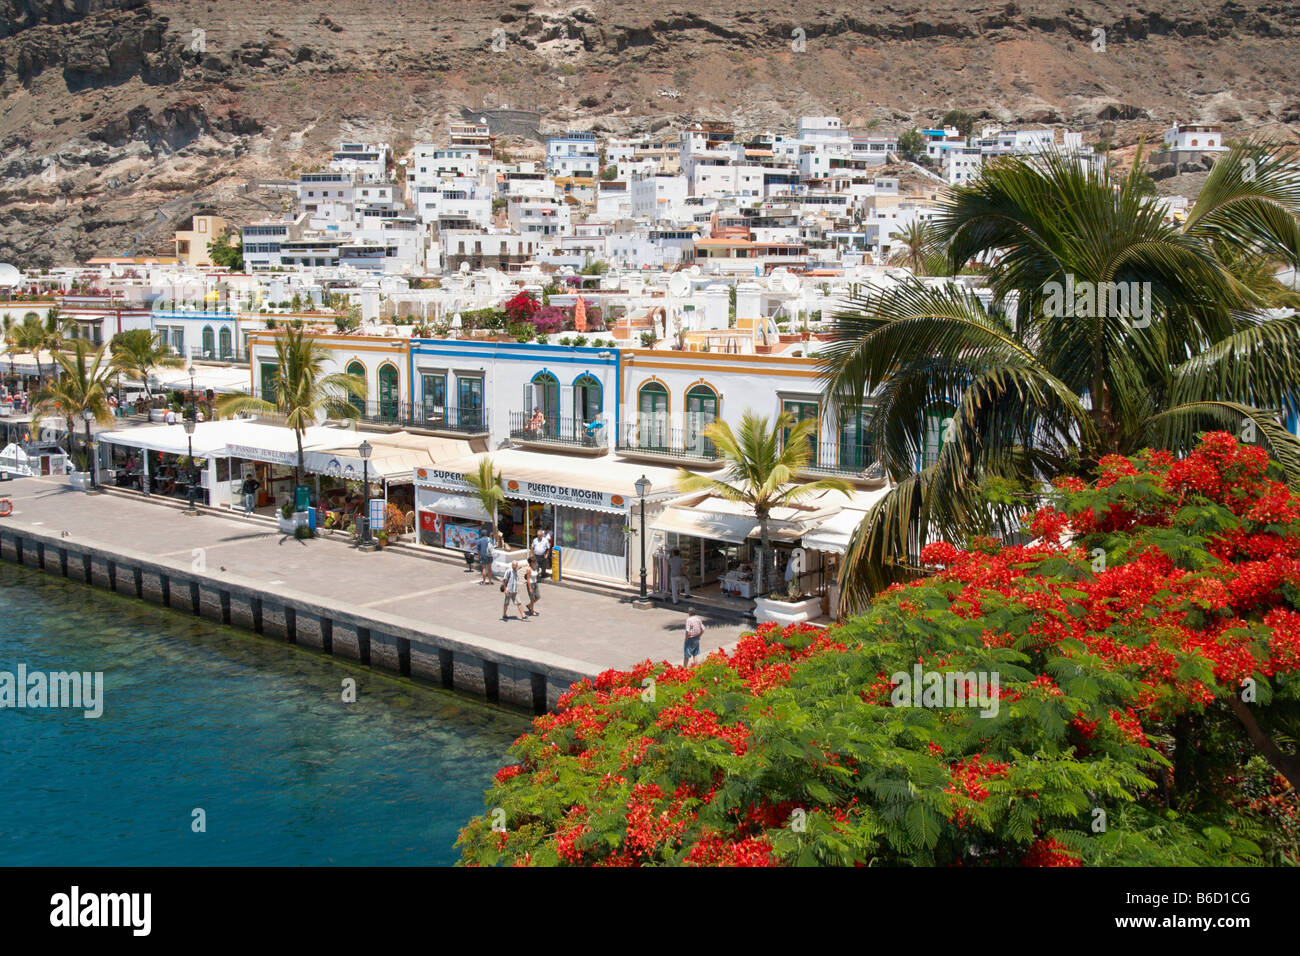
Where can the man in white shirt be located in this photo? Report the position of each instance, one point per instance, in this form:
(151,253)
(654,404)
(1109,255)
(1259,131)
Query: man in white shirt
(677,579)
(541,547)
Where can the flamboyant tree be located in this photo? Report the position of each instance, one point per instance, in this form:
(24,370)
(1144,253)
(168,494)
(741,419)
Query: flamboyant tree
(1140,668)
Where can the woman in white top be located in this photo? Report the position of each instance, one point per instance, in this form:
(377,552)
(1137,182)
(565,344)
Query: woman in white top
(510,588)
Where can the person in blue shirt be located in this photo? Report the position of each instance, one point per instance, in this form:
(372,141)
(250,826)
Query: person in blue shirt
(483,545)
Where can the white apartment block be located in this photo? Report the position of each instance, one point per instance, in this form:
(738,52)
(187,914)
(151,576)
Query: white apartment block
(574,154)
(368,162)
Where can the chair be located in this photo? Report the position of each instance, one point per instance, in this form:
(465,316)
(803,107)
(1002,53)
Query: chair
(410,521)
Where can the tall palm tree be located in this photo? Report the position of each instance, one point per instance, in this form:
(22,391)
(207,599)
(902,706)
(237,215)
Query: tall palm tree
(83,387)
(761,469)
(138,352)
(10,327)
(486,483)
(304,392)
(29,337)
(1047,380)
(57,327)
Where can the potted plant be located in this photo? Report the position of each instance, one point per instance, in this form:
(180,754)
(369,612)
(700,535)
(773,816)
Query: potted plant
(381,538)
(289,520)
(788,608)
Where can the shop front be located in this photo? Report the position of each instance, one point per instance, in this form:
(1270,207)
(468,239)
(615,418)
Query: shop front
(589,509)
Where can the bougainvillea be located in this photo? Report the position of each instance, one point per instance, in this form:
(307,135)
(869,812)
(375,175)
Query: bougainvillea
(1144,646)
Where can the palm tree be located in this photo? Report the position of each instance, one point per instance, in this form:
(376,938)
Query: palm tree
(917,247)
(82,387)
(304,392)
(57,327)
(761,469)
(486,483)
(1110,330)
(30,337)
(138,352)
(10,327)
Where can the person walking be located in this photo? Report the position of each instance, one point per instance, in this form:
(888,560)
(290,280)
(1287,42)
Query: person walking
(694,630)
(249,489)
(677,579)
(510,588)
(534,583)
(484,547)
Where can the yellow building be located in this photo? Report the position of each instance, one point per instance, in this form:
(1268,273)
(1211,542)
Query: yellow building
(192,244)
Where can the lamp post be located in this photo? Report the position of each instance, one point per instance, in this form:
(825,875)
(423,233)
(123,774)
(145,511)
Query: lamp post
(642,489)
(89,416)
(189,441)
(364,450)
(194,408)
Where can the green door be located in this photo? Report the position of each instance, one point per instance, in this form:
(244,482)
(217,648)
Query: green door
(652,420)
(801,411)
(359,370)
(469,402)
(855,447)
(701,412)
(586,399)
(268,381)
(388,394)
(546,397)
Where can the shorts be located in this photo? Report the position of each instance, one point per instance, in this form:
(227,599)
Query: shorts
(692,648)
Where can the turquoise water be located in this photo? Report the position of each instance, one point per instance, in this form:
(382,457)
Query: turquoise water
(251,730)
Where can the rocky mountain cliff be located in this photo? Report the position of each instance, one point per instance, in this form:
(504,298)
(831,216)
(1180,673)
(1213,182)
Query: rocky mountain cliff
(120,118)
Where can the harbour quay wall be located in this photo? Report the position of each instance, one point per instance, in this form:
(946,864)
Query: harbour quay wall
(523,679)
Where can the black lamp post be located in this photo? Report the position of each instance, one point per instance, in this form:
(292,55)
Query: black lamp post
(642,489)
(88,416)
(364,451)
(189,440)
(194,408)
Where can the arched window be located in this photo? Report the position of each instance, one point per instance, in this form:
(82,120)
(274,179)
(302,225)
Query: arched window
(209,342)
(388,394)
(587,396)
(543,394)
(652,417)
(701,412)
(359,370)
(227,350)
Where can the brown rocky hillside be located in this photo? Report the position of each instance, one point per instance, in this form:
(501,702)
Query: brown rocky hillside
(119,118)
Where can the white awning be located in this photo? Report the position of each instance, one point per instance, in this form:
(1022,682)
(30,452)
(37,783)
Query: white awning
(832,536)
(705,524)
(459,506)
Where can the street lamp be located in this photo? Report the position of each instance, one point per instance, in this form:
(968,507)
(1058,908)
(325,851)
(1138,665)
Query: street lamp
(364,450)
(642,489)
(89,416)
(194,408)
(189,440)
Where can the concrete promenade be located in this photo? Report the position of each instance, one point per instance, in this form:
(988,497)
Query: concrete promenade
(577,632)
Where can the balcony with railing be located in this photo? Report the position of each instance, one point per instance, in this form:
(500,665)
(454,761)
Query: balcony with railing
(574,435)
(656,440)
(457,421)
(845,459)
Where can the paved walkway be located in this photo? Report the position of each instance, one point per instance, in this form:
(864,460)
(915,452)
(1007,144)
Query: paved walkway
(600,630)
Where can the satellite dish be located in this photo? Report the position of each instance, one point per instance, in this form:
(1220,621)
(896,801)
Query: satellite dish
(696,270)
(9,275)
(678,284)
(790,282)
(464,267)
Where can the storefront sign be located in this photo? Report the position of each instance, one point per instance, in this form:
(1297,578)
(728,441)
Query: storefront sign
(565,495)
(261,454)
(437,478)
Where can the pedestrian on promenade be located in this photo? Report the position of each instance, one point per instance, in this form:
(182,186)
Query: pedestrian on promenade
(484,547)
(677,579)
(540,547)
(510,588)
(694,630)
(534,582)
(249,489)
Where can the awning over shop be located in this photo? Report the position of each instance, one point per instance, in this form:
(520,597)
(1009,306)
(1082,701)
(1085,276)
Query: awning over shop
(592,485)
(219,378)
(168,439)
(832,535)
(702,524)
(458,506)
